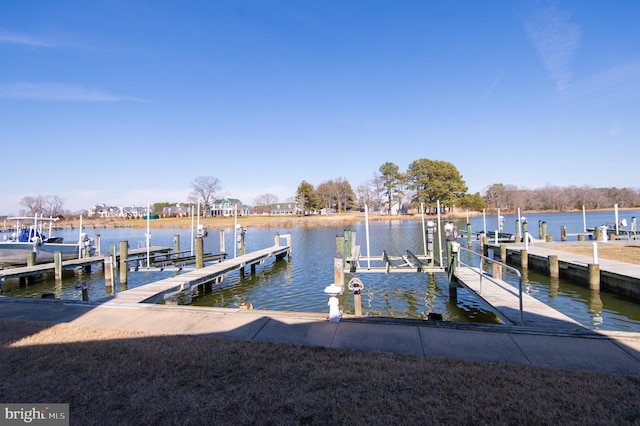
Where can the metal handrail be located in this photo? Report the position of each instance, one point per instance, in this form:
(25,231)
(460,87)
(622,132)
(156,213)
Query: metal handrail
(490,278)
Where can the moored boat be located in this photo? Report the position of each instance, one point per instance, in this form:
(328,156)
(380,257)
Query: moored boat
(30,237)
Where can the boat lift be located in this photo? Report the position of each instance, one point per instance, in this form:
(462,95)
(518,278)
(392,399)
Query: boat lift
(408,262)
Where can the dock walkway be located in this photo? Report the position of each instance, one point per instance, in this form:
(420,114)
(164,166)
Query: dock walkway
(154,291)
(505,300)
(43,268)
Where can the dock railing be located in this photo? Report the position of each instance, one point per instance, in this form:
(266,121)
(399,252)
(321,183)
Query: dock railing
(480,271)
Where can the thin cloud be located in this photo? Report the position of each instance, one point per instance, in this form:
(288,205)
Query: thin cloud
(496,81)
(51,92)
(614,84)
(556,40)
(10,38)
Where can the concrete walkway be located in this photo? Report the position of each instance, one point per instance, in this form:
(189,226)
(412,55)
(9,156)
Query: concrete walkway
(611,352)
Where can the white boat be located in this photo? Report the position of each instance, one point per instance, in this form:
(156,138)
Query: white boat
(30,237)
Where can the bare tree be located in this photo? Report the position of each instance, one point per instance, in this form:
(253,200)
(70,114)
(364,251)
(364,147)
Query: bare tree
(205,189)
(264,203)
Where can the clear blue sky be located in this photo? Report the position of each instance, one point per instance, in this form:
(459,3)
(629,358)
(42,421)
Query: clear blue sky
(126,102)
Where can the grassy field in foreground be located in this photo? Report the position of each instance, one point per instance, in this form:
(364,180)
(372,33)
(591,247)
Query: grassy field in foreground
(114,377)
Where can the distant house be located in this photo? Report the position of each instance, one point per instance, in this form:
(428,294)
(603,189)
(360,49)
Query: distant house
(134,212)
(285,209)
(102,211)
(176,211)
(226,207)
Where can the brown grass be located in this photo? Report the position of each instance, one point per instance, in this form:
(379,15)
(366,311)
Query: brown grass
(119,377)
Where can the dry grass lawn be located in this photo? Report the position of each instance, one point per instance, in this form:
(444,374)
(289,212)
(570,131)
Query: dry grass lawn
(120,378)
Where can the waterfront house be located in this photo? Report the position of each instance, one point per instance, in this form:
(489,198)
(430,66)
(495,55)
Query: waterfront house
(227,207)
(285,209)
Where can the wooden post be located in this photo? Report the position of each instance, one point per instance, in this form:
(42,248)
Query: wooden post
(108,272)
(580,237)
(85,292)
(222,241)
(543,230)
(97,243)
(496,271)
(276,241)
(338,270)
(549,238)
(518,236)
(347,246)
(176,246)
(563,233)
(199,253)
(594,276)
(524,259)
(469,236)
(554,269)
(124,270)
(57,265)
(357,303)
(340,247)
(31,258)
(503,253)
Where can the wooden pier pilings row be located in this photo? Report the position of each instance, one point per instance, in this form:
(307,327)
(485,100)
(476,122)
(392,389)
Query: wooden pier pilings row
(617,277)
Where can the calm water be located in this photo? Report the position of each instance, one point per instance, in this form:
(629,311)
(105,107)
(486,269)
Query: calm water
(297,284)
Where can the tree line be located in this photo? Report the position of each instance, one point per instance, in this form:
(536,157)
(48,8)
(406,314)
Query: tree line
(391,190)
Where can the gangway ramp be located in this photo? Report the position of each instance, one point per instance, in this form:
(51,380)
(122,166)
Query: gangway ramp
(504,298)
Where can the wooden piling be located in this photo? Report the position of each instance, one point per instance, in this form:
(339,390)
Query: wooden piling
(563,233)
(57,265)
(176,246)
(543,230)
(357,303)
(124,270)
(503,253)
(469,236)
(97,243)
(496,271)
(549,238)
(554,268)
(594,276)
(580,237)
(338,270)
(108,271)
(199,253)
(340,247)
(222,241)
(524,259)
(518,236)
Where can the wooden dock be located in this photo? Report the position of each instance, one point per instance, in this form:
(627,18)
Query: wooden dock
(155,291)
(135,255)
(618,277)
(505,300)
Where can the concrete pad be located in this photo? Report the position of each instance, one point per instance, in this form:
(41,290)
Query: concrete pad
(242,327)
(472,345)
(41,310)
(102,317)
(632,347)
(378,338)
(297,331)
(577,353)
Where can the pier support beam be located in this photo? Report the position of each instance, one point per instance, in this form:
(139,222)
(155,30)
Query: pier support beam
(524,259)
